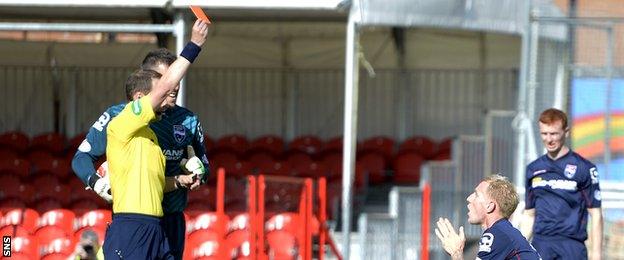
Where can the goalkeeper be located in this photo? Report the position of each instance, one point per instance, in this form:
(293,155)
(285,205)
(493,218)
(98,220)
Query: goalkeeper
(177,129)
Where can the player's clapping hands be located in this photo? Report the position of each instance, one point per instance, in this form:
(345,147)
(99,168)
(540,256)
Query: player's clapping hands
(199,32)
(452,242)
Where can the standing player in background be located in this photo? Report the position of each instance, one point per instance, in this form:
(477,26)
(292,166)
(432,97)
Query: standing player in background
(490,205)
(561,188)
(178,128)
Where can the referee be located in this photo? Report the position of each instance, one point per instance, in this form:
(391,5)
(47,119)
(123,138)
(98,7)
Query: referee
(137,165)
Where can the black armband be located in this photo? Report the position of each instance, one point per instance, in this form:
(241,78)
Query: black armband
(190,51)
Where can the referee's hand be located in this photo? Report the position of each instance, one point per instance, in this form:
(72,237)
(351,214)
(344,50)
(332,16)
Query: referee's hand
(199,32)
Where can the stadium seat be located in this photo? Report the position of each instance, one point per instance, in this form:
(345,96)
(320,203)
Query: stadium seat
(309,144)
(15,140)
(14,231)
(420,145)
(205,244)
(8,182)
(56,166)
(282,245)
(333,145)
(298,158)
(407,168)
(269,143)
(52,142)
(238,244)
(209,143)
(260,159)
(309,169)
(232,165)
(48,234)
(333,164)
(26,218)
(19,167)
(58,191)
(374,166)
(8,154)
(95,218)
(195,208)
(204,194)
(445,146)
(62,218)
(275,168)
(237,144)
(22,191)
(238,222)
(288,222)
(211,221)
(9,204)
(82,206)
(24,247)
(379,144)
(47,204)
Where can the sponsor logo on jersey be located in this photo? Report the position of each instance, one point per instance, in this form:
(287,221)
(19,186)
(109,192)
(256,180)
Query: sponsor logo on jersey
(485,245)
(597,195)
(85,146)
(179,133)
(593,172)
(538,172)
(570,170)
(136,107)
(173,154)
(554,184)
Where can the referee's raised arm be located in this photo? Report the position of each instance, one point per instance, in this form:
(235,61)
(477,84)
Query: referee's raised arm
(170,80)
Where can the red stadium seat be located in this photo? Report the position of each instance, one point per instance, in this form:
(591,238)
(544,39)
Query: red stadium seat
(333,145)
(238,244)
(288,222)
(14,231)
(420,145)
(309,169)
(8,182)
(211,221)
(298,158)
(19,167)
(10,189)
(47,204)
(309,144)
(378,144)
(269,143)
(196,208)
(374,165)
(445,146)
(95,218)
(239,222)
(62,218)
(209,143)
(232,165)
(8,154)
(47,234)
(24,246)
(82,206)
(9,204)
(260,159)
(56,166)
(275,168)
(52,142)
(58,192)
(333,164)
(205,244)
(15,140)
(407,168)
(26,218)
(237,144)
(204,194)
(282,245)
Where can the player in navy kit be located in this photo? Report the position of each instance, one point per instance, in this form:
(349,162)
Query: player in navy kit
(490,205)
(177,128)
(561,188)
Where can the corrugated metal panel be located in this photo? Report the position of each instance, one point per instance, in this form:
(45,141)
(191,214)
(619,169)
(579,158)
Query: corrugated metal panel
(27,104)
(319,103)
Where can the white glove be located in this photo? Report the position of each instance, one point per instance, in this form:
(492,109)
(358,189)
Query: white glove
(195,166)
(101,186)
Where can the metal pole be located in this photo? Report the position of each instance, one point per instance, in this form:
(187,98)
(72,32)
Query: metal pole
(522,91)
(90,27)
(178,32)
(350,124)
(607,140)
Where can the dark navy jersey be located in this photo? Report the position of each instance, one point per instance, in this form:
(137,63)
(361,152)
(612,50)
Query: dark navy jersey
(503,241)
(177,128)
(561,191)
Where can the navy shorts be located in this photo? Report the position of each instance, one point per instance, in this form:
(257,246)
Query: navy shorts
(135,236)
(174,225)
(559,248)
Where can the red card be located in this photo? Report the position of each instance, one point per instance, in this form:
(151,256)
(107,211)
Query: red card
(199,13)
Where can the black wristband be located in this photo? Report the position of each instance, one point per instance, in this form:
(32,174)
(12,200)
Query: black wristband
(92,180)
(190,51)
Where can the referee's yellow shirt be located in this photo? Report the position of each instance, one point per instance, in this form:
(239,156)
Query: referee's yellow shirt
(135,162)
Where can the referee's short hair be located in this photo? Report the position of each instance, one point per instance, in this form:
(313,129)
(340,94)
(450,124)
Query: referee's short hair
(503,192)
(140,81)
(158,56)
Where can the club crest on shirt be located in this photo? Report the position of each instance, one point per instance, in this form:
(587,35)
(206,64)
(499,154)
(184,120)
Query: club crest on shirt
(179,133)
(570,170)
(485,245)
